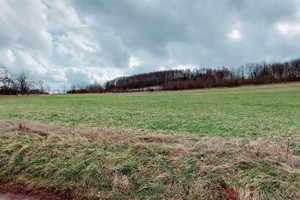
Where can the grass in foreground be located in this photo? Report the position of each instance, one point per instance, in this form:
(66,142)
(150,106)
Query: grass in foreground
(239,143)
(108,164)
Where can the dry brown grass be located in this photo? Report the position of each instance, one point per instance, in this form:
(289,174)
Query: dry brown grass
(188,169)
(120,183)
(6,125)
(92,134)
(215,146)
(260,148)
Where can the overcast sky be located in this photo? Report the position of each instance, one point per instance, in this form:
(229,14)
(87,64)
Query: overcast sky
(76,41)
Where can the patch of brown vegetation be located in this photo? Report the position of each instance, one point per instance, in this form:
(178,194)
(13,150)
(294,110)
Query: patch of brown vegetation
(157,138)
(120,183)
(92,134)
(37,128)
(20,192)
(260,148)
(6,126)
(217,146)
(228,192)
(106,135)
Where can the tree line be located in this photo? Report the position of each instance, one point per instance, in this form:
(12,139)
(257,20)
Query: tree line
(251,73)
(86,88)
(21,83)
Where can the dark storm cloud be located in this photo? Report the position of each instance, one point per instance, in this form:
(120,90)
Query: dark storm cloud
(96,40)
(192,32)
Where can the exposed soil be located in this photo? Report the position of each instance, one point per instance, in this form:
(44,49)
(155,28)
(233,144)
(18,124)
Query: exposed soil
(9,192)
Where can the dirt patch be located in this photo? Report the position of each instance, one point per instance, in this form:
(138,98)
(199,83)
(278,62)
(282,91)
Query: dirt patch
(15,192)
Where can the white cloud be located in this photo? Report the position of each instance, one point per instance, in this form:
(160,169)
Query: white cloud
(235,34)
(81,42)
(58,75)
(133,62)
(184,67)
(85,75)
(62,16)
(289,29)
(24,24)
(55,73)
(78,48)
(7,58)
(29,64)
(162,68)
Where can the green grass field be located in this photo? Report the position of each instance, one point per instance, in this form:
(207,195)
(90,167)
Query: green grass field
(200,144)
(248,112)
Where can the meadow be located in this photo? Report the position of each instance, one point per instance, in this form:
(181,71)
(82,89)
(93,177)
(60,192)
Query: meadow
(226,143)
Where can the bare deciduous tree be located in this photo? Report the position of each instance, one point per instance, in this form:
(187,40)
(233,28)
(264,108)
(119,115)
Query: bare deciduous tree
(6,82)
(24,83)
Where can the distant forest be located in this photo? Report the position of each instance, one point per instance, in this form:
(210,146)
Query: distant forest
(252,73)
(21,83)
(249,74)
